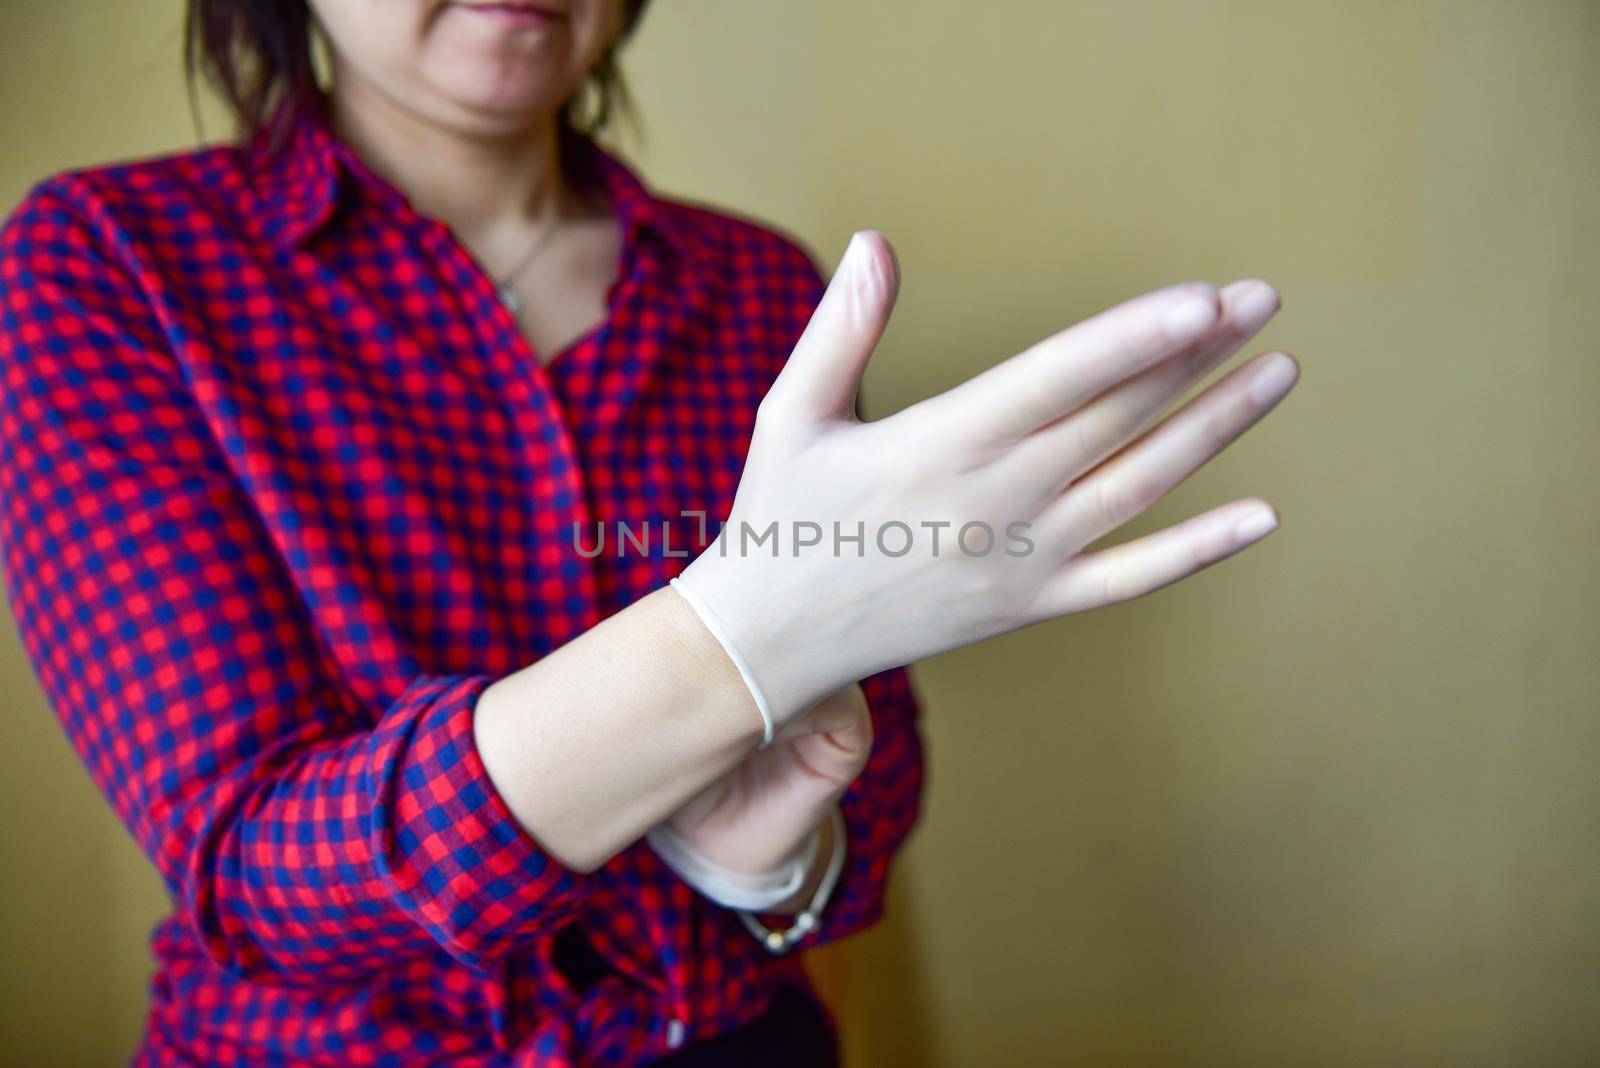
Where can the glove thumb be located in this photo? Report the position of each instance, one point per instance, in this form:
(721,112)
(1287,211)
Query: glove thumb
(823,373)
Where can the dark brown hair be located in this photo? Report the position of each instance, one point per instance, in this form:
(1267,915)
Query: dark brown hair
(257,54)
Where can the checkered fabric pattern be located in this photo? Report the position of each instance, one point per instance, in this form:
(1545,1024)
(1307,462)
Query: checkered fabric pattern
(284,489)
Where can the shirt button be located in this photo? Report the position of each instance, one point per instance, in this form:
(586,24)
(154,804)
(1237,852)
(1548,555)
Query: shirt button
(674,1033)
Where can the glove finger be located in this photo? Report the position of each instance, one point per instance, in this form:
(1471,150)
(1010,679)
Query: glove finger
(823,373)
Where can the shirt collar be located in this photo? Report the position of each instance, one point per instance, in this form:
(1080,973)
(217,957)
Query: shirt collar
(302,183)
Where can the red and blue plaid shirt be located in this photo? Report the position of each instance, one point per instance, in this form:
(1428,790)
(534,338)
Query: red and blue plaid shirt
(284,489)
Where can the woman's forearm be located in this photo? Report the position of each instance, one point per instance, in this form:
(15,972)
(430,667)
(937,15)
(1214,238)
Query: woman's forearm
(594,744)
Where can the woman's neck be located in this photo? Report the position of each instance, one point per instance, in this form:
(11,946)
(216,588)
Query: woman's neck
(486,189)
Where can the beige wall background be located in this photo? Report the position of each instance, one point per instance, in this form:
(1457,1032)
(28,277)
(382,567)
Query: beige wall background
(1334,802)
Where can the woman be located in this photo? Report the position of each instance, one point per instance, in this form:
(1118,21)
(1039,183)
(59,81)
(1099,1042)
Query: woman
(312,448)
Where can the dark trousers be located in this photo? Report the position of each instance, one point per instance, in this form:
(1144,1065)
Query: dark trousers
(792,1033)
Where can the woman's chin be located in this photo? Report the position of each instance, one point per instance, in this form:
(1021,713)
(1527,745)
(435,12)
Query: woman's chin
(499,109)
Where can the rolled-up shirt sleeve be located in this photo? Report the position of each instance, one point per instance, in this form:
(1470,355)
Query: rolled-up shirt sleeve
(304,837)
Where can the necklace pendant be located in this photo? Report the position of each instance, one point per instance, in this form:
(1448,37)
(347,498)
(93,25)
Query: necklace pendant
(508,298)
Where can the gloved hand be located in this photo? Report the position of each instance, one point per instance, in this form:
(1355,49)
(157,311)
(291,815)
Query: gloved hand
(975,506)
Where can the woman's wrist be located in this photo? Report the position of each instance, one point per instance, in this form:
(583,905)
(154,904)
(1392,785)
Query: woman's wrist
(770,610)
(769,888)
(703,654)
(664,715)
(826,844)
(808,918)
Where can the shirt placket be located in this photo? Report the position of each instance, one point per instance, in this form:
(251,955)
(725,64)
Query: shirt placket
(563,579)
(547,408)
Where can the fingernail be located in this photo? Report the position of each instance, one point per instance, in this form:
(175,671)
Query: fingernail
(1273,381)
(851,251)
(1190,319)
(1257,303)
(1255,526)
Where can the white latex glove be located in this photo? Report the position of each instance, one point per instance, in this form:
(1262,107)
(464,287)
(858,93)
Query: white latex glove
(1041,440)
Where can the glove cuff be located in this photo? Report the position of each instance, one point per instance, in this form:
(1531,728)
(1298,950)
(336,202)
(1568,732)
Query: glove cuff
(719,630)
(734,890)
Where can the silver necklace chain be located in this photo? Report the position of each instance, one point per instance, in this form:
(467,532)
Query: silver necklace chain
(503,284)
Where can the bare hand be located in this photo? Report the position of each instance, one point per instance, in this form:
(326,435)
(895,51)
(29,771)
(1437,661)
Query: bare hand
(762,811)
